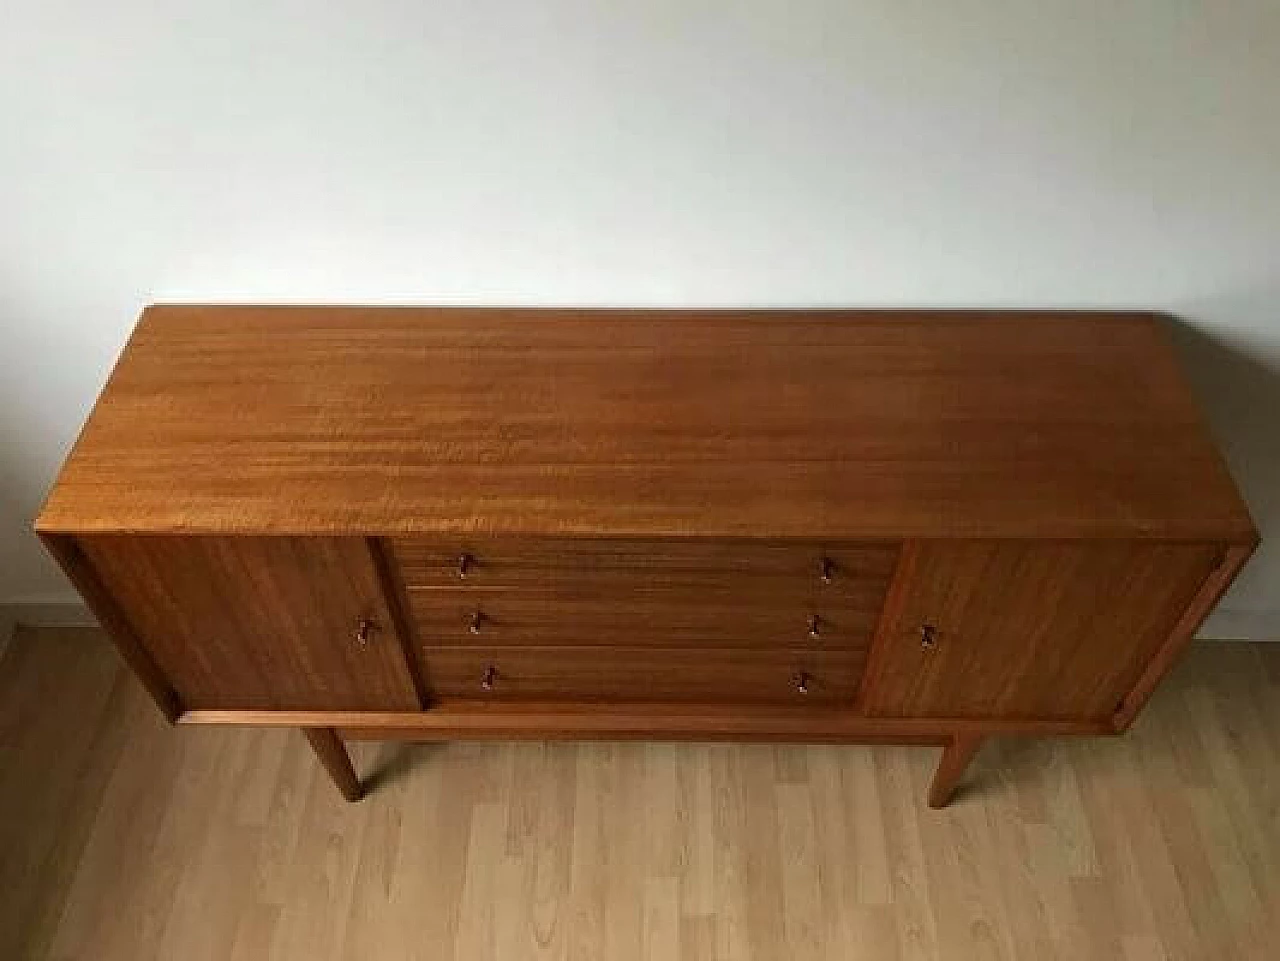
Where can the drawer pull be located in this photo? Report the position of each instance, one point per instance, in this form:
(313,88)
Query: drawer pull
(489,677)
(464,565)
(365,628)
(803,679)
(928,636)
(476,621)
(815,625)
(826,569)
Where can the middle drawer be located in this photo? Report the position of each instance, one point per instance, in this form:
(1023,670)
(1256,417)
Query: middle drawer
(648,616)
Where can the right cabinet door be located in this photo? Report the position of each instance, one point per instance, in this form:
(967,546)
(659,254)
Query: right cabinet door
(1025,629)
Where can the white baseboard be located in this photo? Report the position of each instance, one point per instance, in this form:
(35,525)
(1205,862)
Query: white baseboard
(52,612)
(48,614)
(67,598)
(1228,625)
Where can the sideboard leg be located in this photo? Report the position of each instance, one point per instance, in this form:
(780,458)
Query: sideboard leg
(955,758)
(333,755)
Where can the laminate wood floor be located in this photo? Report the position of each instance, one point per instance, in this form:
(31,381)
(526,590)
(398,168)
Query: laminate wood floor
(123,839)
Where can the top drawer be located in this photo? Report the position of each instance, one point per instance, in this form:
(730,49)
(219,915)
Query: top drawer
(559,563)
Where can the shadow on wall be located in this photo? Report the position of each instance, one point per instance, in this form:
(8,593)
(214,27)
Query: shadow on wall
(1238,386)
(27,573)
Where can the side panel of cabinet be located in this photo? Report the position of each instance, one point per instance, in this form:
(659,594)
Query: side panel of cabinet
(1024,629)
(267,623)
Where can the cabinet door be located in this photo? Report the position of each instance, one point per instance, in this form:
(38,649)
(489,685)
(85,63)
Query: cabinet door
(1048,630)
(260,622)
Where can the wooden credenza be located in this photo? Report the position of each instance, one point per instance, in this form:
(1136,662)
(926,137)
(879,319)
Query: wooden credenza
(919,526)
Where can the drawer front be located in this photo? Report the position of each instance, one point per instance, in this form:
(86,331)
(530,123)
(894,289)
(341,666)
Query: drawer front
(635,675)
(643,616)
(575,563)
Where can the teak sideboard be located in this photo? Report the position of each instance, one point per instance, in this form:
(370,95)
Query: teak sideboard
(840,526)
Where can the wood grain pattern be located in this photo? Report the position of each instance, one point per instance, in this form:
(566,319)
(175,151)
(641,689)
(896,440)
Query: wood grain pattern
(788,424)
(956,756)
(397,602)
(121,841)
(470,718)
(259,622)
(1029,628)
(621,675)
(331,752)
(768,616)
(1232,559)
(644,499)
(558,563)
(86,580)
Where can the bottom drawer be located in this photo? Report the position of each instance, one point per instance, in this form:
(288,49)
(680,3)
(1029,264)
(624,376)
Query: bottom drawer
(626,674)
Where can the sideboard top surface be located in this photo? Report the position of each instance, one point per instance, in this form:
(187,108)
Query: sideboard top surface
(807,424)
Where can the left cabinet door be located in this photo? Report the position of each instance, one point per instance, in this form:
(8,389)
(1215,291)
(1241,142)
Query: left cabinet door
(262,623)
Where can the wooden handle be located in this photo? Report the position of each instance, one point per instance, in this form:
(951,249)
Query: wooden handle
(365,628)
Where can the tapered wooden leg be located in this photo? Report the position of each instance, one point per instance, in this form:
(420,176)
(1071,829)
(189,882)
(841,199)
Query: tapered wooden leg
(955,758)
(333,755)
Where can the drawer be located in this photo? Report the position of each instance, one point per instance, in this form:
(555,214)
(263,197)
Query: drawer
(633,674)
(646,616)
(562,563)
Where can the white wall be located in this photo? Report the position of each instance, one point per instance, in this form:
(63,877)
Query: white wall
(1103,153)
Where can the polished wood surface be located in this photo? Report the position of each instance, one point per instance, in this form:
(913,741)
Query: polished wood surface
(332,754)
(827,570)
(618,675)
(956,755)
(1039,629)
(783,424)
(984,521)
(260,622)
(771,615)
(120,841)
(680,721)
(97,597)
(1229,565)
